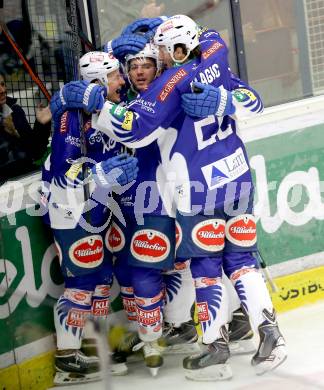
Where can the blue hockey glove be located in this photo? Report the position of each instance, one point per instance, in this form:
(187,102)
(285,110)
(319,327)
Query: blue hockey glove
(121,169)
(128,44)
(77,95)
(145,26)
(207,100)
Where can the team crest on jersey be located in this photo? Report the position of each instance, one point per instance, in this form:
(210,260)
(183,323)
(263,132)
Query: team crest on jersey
(118,111)
(150,246)
(211,50)
(178,233)
(241,230)
(170,84)
(209,235)
(87,252)
(203,314)
(243,94)
(114,238)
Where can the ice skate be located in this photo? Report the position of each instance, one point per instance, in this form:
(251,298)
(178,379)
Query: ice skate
(211,364)
(240,334)
(152,355)
(179,340)
(272,348)
(123,353)
(73,366)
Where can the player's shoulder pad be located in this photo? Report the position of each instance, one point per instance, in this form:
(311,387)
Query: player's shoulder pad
(211,42)
(208,33)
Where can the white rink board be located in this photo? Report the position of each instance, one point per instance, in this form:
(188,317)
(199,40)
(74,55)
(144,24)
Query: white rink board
(303,329)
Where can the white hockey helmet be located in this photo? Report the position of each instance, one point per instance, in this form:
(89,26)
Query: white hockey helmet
(150,50)
(178,29)
(95,65)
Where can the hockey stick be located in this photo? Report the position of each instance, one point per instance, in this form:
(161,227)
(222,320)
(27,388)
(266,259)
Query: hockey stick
(266,272)
(23,59)
(83,37)
(71,8)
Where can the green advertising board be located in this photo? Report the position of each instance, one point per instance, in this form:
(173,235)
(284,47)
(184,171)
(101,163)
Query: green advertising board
(30,281)
(289,176)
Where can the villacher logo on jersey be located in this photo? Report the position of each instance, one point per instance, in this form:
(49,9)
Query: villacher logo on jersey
(178,233)
(241,230)
(87,252)
(150,246)
(209,235)
(114,239)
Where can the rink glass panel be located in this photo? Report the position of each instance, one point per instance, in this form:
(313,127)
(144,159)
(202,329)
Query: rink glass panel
(277,46)
(283,43)
(215,14)
(41,30)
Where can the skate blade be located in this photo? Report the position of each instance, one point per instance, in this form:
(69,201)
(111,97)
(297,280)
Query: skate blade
(118,369)
(277,357)
(181,349)
(154,371)
(242,347)
(70,378)
(217,372)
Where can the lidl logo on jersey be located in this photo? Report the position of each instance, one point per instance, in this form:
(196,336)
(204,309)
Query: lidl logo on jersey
(225,170)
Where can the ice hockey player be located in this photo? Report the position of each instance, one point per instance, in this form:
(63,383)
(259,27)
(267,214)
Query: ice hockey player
(80,239)
(240,332)
(179,334)
(180,328)
(221,230)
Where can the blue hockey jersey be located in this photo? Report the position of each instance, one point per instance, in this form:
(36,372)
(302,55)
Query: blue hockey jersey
(204,158)
(62,172)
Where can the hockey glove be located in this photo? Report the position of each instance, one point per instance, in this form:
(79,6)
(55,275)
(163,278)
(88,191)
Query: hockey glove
(145,26)
(128,44)
(121,169)
(77,95)
(208,100)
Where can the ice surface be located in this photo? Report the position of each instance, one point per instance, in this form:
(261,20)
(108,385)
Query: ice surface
(303,330)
